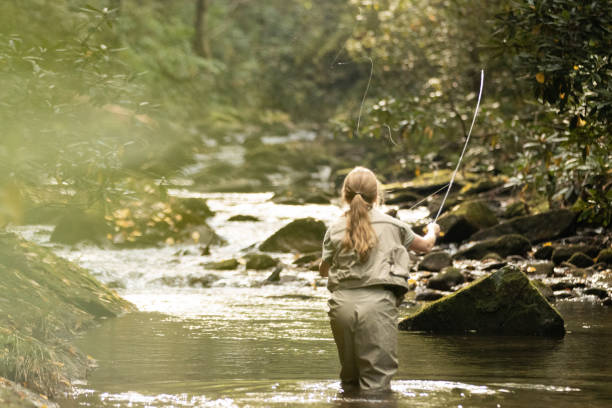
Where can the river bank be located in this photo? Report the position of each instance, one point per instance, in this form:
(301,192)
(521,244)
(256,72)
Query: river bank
(45,301)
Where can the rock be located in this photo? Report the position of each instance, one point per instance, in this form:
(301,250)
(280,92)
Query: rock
(482,185)
(426,183)
(193,210)
(544,252)
(225,265)
(581,260)
(446,279)
(607,301)
(465,219)
(203,281)
(402,198)
(302,235)
(516,209)
(563,253)
(544,289)
(538,227)
(541,268)
(605,256)
(427,295)
(260,261)
(243,218)
(476,213)
(308,258)
(436,261)
(274,276)
(504,246)
(301,196)
(492,256)
(493,266)
(563,294)
(562,285)
(77,226)
(455,228)
(517,259)
(503,303)
(599,292)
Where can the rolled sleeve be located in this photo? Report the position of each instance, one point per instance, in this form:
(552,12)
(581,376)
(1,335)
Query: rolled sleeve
(407,236)
(328,248)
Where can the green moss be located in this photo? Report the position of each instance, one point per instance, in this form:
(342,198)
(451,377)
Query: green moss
(225,265)
(504,302)
(45,301)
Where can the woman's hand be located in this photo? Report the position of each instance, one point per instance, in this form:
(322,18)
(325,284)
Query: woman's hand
(426,243)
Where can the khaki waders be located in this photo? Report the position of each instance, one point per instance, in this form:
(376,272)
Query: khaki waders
(364,325)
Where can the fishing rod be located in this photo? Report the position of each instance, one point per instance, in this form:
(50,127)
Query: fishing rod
(450,185)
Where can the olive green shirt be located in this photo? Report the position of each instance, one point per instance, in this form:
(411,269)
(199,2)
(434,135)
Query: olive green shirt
(388,261)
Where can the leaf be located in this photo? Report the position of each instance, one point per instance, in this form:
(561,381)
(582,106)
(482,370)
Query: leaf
(540,77)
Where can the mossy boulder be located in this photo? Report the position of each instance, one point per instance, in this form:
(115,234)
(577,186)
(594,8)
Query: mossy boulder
(538,227)
(243,218)
(504,246)
(436,261)
(260,261)
(503,303)
(302,235)
(77,226)
(605,256)
(446,279)
(581,260)
(224,265)
(564,253)
(465,219)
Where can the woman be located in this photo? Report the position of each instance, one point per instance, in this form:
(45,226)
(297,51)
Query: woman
(366,260)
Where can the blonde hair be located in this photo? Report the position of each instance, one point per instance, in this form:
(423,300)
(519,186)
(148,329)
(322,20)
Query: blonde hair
(360,191)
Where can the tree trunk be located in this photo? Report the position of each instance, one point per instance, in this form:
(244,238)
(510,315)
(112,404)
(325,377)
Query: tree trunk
(201,45)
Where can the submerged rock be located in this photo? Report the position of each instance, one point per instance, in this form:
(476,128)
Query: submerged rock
(203,281)
(435,261)
(504,246)
(537,228)
(243,218)
(274,276)
(260,261)
(225,265)
(302,235)
(503,303)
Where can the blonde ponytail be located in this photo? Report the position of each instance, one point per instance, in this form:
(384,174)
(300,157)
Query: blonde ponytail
(360,191)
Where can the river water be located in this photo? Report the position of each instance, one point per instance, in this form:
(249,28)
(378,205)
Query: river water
(242,343)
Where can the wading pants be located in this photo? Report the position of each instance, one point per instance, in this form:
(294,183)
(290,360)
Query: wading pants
(364,325)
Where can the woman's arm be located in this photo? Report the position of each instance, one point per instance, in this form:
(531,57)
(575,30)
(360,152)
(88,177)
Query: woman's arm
(425,243)
(323,269)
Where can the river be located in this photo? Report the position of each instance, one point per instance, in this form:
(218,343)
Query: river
(242,343)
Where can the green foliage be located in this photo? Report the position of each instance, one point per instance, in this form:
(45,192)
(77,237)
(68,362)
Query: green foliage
(562,48)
